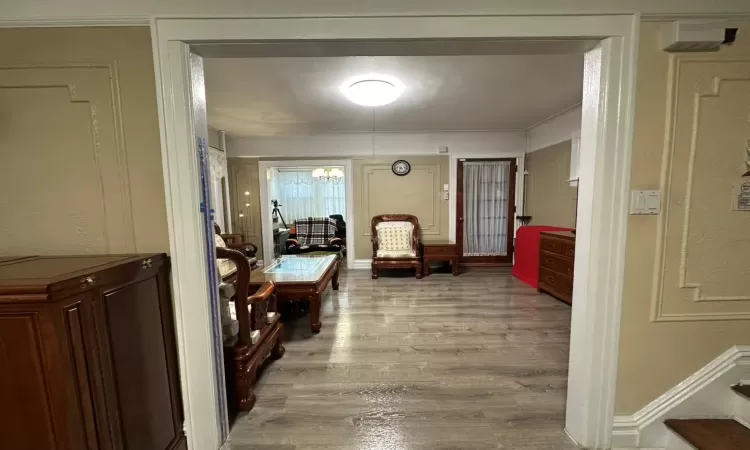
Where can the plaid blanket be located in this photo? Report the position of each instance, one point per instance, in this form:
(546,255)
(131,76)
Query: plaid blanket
(315,230)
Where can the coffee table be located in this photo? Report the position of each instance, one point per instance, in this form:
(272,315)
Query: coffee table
(300,277)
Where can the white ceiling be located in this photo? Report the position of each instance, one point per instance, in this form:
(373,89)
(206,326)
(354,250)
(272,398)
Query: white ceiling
(300,95)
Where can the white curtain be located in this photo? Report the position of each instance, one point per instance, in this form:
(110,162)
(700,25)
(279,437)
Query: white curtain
(486,192)
(301,196)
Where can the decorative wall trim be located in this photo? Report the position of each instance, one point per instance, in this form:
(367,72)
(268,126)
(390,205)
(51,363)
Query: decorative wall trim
(433,226)
(714,92)
(706,393)
(676,65)
(120,216)
(362,264)
(101,21)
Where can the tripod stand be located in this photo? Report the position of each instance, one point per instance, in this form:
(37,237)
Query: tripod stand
(276,210)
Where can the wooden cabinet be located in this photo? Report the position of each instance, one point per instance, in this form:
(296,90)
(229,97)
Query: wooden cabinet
(87,354)
(440,251)
(556,257)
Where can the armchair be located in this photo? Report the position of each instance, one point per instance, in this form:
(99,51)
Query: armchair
(236,242)
(396,243)
(314,234)
(251,329)
(227,268)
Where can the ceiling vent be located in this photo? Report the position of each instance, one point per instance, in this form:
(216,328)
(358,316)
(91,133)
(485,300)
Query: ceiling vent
(692,36)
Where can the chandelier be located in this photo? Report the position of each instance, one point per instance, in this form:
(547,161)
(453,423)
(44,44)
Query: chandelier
(331,174)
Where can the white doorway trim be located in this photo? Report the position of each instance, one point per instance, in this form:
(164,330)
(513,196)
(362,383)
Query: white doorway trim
(265,210)
(606,141)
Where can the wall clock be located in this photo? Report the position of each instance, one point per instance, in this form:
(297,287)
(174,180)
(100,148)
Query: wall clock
(401,167)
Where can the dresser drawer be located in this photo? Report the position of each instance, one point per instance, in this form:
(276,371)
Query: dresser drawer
(556,263)
(450,249)
(556,283)
(558,246)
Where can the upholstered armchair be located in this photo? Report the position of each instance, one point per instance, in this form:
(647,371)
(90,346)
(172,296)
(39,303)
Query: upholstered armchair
(396,243)
(251,329)
(314,234)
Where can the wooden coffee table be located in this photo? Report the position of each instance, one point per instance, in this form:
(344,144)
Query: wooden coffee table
(300,277)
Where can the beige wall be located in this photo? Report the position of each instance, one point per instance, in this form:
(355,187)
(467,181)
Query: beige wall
(378,191)
(687,272)
(550,200)
(80,169)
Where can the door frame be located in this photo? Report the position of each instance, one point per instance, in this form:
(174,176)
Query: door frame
(605,152)
(265,210)
(486,260)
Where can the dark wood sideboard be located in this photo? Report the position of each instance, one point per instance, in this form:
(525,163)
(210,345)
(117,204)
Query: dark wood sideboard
(557,250)
(88,354)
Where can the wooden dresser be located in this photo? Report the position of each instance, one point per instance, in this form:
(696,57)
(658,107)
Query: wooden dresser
(557,251)
(87,354)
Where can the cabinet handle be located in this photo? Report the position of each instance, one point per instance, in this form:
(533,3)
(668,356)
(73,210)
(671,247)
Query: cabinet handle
(89,280)
(146,263)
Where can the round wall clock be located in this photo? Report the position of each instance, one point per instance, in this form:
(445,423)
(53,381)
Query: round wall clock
(401,167)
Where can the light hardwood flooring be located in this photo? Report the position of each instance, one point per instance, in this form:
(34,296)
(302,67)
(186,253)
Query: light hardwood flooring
(477,361)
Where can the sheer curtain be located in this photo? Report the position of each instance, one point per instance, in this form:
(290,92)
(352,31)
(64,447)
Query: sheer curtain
(486,191)
(301,196)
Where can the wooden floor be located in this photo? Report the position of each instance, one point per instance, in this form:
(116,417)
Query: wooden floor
(477,361)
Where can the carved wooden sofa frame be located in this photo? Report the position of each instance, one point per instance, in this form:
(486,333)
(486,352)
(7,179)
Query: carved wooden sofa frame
(243,359)
(396,263)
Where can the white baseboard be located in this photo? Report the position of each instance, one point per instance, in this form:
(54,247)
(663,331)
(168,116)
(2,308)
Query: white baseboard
(362,264)
(705,394)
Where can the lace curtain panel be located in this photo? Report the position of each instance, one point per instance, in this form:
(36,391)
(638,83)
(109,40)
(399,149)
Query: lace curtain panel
(302,196)
(486,191)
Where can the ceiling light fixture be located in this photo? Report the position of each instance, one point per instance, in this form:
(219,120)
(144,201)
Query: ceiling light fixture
(372,90)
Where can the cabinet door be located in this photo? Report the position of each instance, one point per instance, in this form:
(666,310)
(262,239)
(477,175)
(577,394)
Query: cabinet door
(141,350)
(45,387)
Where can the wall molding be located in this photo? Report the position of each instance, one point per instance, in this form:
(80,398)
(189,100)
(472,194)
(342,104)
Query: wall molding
(431,227)
(94,21)
(557,128)
(713,90)
(362,264)
(706,393)
(118,222)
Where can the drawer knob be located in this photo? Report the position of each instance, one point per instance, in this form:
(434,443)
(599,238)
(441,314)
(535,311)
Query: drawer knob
(88,280)
(146,263)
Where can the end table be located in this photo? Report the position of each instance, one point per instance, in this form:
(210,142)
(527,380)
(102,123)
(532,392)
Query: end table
(443,250)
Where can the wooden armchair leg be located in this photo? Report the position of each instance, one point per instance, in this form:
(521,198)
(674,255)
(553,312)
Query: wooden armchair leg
(245,375)
(278,348)
(374,272)
(419,271)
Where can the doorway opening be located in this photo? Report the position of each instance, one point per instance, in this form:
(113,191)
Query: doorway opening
(605,151)
(299,190)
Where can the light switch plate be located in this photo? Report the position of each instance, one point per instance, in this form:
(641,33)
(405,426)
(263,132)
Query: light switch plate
(645,203)
(446,187)
(445,195)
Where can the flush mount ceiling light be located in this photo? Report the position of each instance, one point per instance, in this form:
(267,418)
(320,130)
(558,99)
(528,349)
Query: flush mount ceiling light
(372,90)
